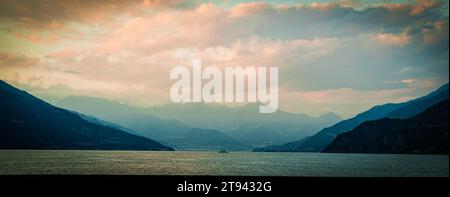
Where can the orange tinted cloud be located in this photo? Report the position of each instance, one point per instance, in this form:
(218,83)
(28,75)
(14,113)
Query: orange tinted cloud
(198,27)
(414,8)
(50,14)
(245,9)
(42,21)
(66,53)
(11,60)
(393,39)
(324,6)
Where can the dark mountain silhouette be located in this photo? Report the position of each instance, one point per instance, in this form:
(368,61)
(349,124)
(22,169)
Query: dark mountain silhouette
(320,140)
(170,132)
(425,133)
(29,123)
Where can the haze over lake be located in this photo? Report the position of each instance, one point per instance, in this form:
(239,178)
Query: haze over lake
(212,163)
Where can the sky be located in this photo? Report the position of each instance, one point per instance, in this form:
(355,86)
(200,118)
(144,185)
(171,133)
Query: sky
(333,56)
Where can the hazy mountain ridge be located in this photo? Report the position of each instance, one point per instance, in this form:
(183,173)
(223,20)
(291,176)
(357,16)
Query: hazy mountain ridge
(27,122)
(245,123)
(171,132)
(105,123)
(416,106)
(244,126)
(425,133)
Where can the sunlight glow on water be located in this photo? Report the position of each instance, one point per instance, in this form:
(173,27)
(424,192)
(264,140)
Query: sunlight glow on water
(212,163)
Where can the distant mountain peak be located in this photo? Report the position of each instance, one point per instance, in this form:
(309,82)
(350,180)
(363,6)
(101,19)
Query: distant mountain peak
(330,115)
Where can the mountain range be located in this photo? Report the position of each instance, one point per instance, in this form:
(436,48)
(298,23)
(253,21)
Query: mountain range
(244,123)
(167,131)
(27,122)
(324,137)
(425,133)
(231,128)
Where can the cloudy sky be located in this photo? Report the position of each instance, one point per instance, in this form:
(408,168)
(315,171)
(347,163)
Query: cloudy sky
(340,56)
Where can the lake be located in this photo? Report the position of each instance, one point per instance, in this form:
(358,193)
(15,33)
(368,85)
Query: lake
(212,163)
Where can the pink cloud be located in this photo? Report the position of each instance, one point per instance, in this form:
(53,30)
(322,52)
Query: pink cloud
(324,6)
(414,8)
(13,61)
(392,39)
(245,9)
(397,7)
(52,14)
(167,30)
(46,22)
(64,54)
(421,5)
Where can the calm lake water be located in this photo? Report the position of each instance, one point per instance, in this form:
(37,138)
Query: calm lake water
(212,163)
